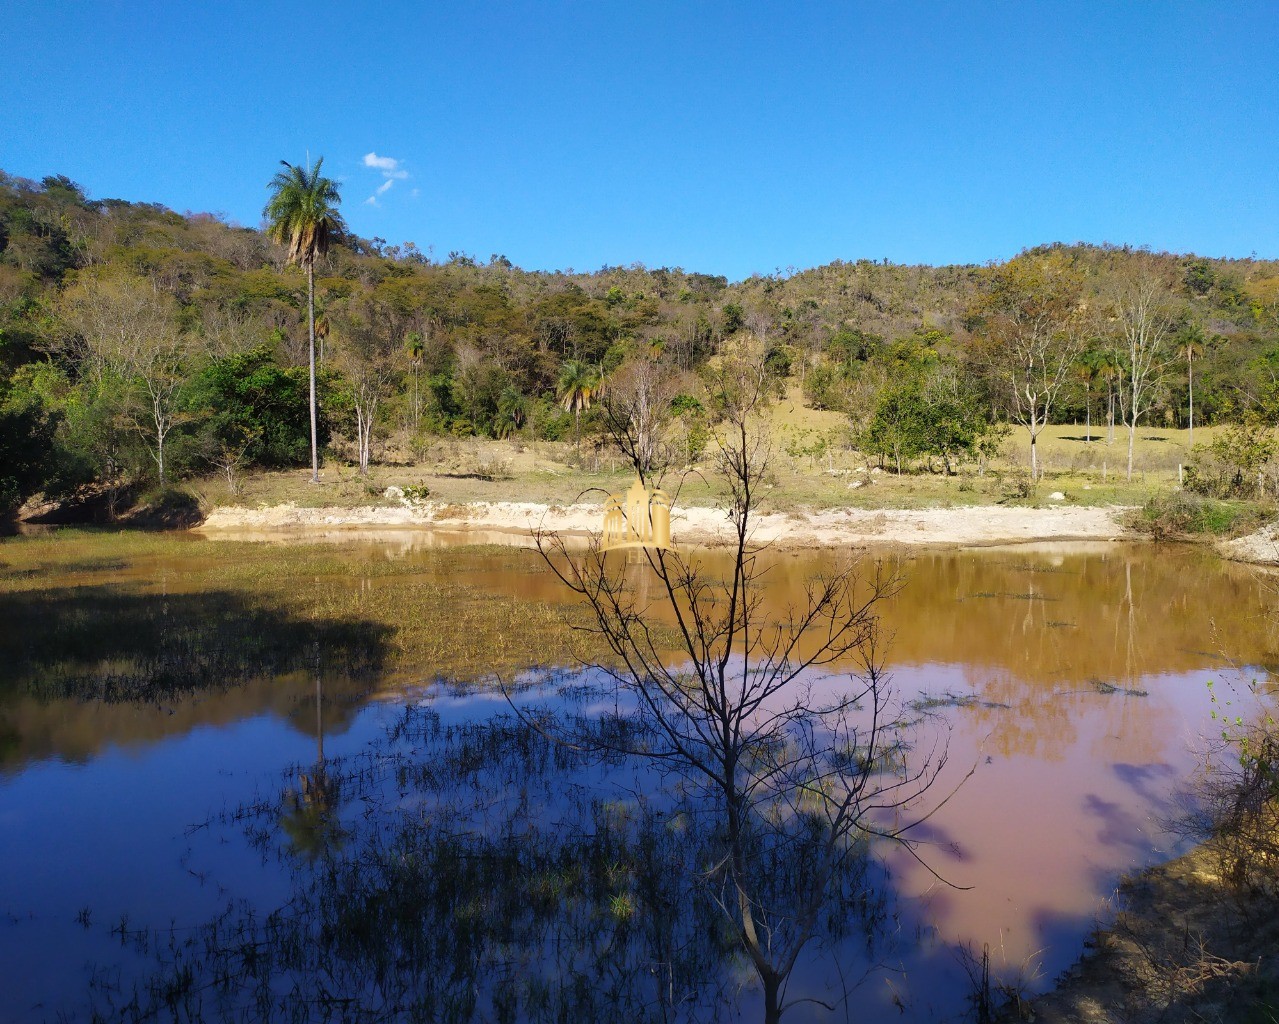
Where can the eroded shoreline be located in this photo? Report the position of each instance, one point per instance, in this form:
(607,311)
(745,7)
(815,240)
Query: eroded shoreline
(518,523)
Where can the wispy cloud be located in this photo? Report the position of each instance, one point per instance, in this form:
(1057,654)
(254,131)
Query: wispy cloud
(389,168)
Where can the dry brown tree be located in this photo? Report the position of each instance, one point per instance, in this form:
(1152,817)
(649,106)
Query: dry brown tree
(781,721)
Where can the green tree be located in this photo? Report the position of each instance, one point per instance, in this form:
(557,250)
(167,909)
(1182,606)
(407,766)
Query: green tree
(27,431)
(250,405)
(1087,369)
(302,215)
(579,385)
(512,411)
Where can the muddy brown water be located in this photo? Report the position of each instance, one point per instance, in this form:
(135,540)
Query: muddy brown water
(1072,680)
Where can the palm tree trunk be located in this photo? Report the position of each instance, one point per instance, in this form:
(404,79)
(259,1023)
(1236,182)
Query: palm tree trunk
(310,319)
(1190,366)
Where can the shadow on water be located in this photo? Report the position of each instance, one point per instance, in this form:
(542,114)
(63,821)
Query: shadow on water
(110,643)
(475,869)
(74,660)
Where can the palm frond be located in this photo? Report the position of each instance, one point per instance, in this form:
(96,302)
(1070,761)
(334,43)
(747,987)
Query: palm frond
(302,212)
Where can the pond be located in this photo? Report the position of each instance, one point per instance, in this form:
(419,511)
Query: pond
(208,748)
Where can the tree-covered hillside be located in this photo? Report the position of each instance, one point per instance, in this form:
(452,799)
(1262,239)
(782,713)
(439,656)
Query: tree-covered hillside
(141,345)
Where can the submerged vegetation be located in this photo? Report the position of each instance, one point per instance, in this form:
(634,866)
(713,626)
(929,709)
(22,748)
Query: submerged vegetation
(478,870)
(149,617)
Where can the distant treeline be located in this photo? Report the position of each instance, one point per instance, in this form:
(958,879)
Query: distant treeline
(141,344)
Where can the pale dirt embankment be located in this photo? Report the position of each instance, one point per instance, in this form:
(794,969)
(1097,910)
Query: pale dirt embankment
(1260,548)
(518,522)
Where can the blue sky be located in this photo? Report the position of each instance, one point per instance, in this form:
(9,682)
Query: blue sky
(729,138)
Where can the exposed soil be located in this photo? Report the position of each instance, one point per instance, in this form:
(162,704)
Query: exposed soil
(1186,947)
(963,527)
(1261,548)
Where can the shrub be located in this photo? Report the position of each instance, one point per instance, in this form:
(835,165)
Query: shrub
(1182,514)
(1239,462)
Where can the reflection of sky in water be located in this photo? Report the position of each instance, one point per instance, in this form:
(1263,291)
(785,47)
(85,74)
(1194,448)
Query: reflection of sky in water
(1069,786)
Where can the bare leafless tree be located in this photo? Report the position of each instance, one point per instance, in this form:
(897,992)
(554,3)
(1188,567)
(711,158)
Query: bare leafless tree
(1145,316)
(784,723)
(1031,319)
(126,327)
(371,355)
(637,411)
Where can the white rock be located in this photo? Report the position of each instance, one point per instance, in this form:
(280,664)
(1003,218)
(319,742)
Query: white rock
(394,493)
(1056,496)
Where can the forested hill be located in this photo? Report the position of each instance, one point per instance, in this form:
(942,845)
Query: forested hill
(129,333)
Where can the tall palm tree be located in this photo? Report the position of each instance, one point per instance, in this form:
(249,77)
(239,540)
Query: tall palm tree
(1191,346)
(302,215)
(1087,368)
(1111,369)
(579,385)
(415,349)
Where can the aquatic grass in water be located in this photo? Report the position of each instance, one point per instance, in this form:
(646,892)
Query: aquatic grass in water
(114,644)
(159,616)
(486,872)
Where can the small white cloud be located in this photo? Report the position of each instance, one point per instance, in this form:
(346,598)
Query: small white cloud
(390,170)
(415,193)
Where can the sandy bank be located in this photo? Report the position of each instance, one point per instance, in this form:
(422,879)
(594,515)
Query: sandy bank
(1260,548)
(516,523)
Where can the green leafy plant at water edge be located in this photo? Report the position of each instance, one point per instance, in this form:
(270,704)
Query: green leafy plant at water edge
(1182,514)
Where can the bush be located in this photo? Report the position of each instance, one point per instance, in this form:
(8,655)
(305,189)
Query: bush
(249,402)
(1182,514)
(1239,462)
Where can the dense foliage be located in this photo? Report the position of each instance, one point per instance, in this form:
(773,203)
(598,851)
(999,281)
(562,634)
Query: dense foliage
(136,342)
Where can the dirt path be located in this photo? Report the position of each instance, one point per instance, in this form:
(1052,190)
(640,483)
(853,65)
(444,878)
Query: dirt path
(517,522)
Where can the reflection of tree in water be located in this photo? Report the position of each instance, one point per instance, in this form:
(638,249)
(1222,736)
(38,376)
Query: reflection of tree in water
(116,643)
(487,873)
(309,816)
(1060,621)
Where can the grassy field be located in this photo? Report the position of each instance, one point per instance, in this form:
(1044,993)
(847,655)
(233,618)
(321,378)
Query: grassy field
(813,467)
